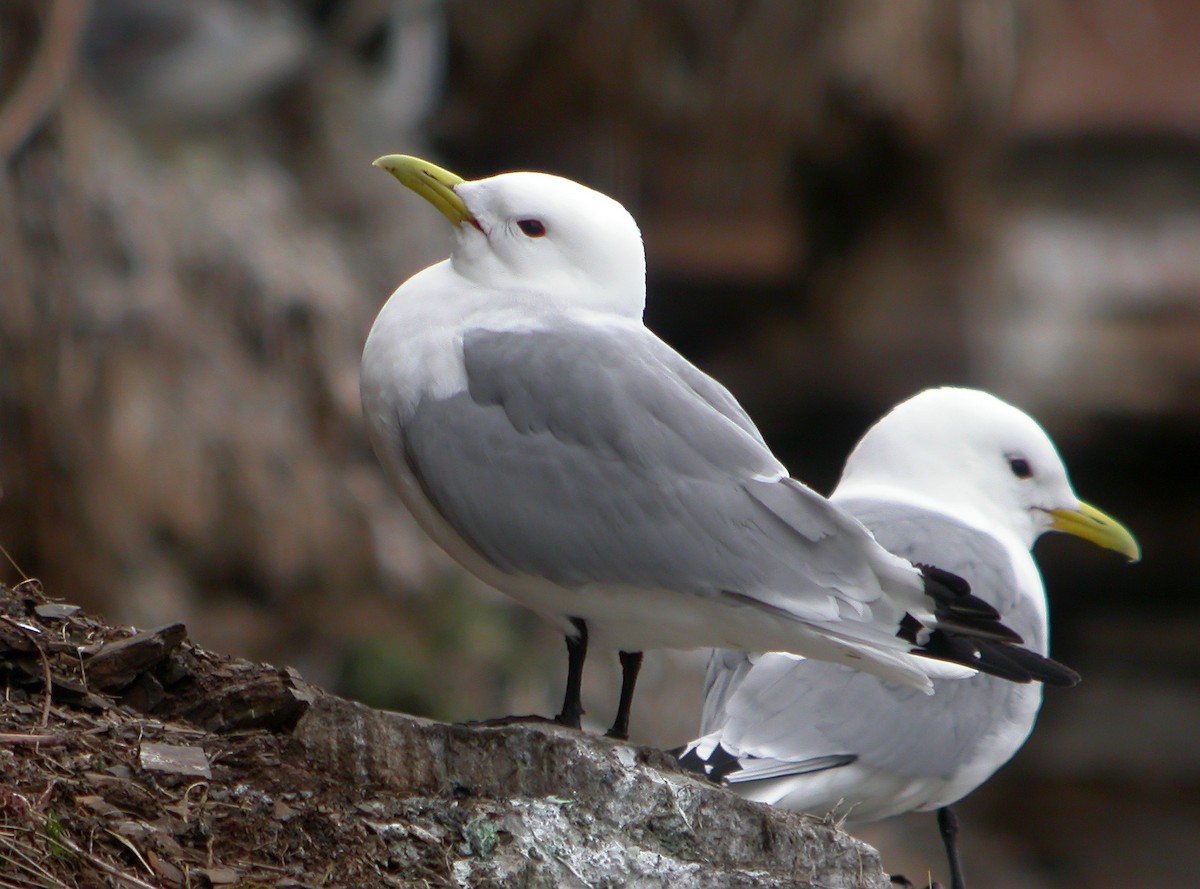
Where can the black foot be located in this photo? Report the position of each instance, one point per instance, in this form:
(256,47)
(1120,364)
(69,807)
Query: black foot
(572,708)
(948,828)
(570,717)
(905,883)
(631,664)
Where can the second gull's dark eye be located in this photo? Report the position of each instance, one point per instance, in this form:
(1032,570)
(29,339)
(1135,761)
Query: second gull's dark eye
(532,227)
(1020,467)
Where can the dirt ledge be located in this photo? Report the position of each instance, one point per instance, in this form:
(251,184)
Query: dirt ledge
(156,763)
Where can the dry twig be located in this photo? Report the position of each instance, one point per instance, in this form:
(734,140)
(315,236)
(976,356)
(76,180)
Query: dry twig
(45,664)
(18,850)
(93,859)
(16,739)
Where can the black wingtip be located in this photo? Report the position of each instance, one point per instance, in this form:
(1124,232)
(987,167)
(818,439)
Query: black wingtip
(720,764)
(1039,667)
(968,631)
(1000,659)
(958,610)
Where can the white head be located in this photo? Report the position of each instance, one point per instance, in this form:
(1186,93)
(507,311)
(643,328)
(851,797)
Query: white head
(976,457)
(547,238)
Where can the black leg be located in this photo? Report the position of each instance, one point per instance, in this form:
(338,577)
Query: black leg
(631,664)
(948,827)
(572,707)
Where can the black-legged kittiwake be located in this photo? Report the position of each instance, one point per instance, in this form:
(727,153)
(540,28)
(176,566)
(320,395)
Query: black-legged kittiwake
(566,455)
(953,477)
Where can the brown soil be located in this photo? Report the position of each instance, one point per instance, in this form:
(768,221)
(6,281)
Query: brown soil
(90,796)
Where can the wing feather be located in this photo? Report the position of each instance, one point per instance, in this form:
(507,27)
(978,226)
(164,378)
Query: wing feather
(591,455)
(777,711)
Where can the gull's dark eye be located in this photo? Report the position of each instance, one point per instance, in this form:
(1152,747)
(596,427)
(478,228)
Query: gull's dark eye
(532,227)
(1020,467)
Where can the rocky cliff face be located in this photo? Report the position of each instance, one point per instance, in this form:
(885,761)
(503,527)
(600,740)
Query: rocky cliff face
(140,757)
(545,806)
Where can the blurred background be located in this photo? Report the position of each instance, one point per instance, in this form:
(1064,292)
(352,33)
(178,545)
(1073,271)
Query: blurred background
(843,203)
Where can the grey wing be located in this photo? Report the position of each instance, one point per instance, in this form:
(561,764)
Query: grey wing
(595,455)
(783,709)
(927,537)
(720,398)
(794,710)
(727,670)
